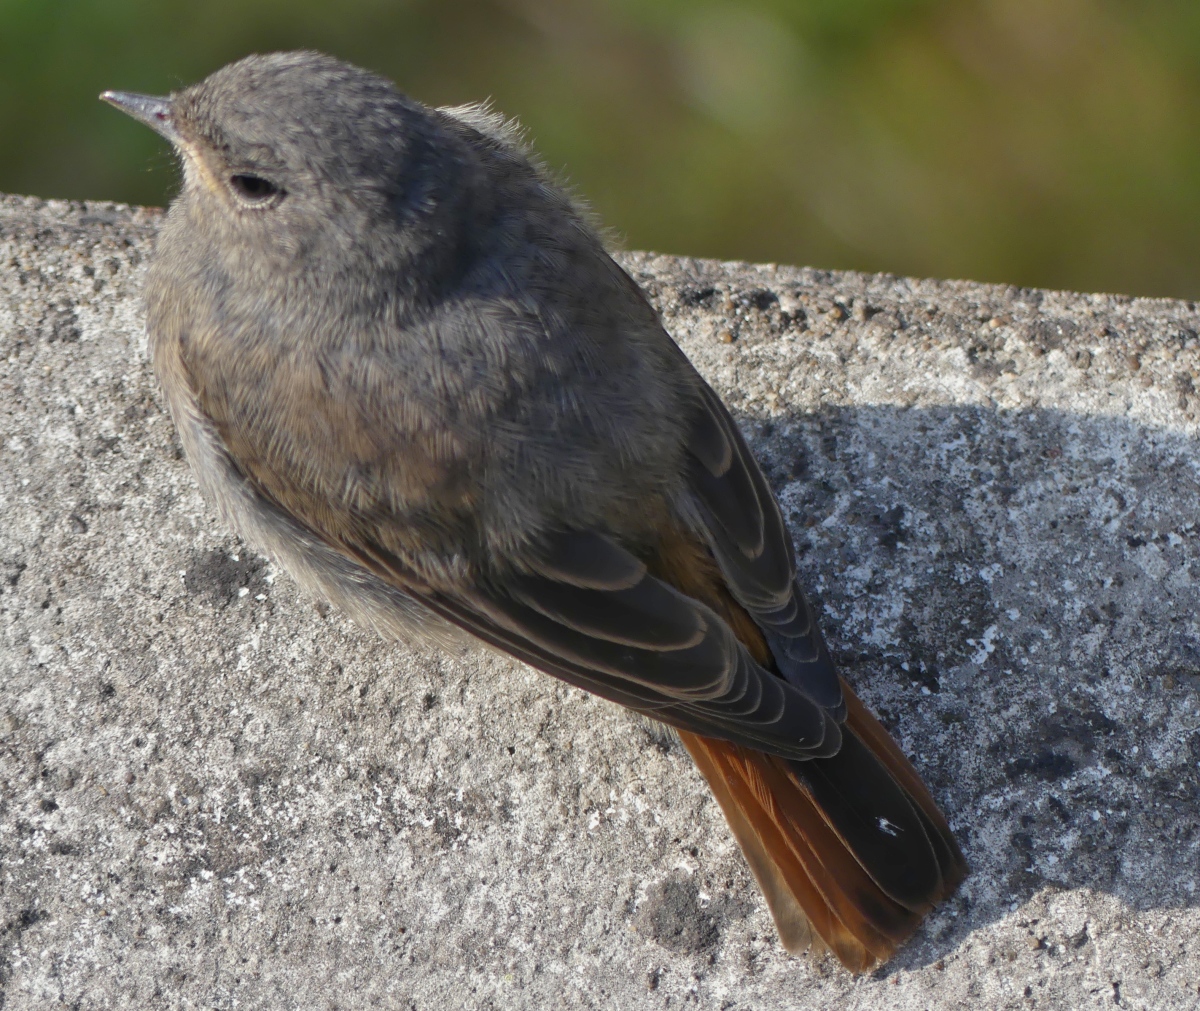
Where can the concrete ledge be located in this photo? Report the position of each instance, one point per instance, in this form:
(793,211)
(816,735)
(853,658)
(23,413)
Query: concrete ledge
(214,793)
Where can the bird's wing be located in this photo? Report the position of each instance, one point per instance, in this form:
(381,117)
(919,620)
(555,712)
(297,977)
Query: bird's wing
(746,533)
(589,612)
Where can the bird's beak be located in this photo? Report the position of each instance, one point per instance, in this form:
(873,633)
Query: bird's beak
(154,112)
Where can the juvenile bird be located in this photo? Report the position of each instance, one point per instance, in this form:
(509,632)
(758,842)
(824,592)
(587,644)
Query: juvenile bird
(402,364)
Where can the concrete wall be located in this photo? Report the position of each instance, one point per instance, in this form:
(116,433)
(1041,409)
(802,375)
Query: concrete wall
(215,793)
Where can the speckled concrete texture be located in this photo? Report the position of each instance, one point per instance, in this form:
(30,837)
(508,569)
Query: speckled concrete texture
(215,793)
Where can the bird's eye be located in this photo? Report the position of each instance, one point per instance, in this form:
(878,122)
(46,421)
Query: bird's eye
(253,189)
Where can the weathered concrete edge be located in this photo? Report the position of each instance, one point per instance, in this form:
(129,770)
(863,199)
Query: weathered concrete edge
(1142,329)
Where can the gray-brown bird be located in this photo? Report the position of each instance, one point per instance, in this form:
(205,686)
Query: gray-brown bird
(402,363)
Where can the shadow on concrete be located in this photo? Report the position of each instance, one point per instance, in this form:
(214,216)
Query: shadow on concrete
(1015,593)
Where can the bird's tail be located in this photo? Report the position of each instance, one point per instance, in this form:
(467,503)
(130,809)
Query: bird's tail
(850,851)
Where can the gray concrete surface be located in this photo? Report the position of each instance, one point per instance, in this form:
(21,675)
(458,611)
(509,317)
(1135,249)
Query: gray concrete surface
(215,793)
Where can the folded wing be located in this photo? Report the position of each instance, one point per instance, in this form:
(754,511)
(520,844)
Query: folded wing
(746,533)
(590,613)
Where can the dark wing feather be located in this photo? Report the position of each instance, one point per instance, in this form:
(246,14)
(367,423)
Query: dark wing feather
(645,645)
(649,615)
(754,550)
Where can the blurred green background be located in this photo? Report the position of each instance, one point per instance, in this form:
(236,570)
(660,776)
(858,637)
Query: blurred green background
(1040,142)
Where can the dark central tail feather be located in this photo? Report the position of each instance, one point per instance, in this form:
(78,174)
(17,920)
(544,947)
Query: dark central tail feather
(950,859)
(873,817)
(850,850)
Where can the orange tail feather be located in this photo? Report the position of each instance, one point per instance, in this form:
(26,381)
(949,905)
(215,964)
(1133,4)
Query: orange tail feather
(815,885)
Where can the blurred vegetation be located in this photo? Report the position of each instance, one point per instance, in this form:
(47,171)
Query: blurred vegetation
(1052,144)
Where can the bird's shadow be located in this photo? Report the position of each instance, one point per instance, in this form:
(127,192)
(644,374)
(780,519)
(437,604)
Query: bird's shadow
(1014,593)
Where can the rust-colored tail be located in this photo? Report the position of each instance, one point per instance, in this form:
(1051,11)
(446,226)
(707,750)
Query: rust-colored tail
(850,851)
(822,887)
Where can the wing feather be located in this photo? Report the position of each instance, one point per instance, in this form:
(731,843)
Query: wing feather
(751,544)
(690,672)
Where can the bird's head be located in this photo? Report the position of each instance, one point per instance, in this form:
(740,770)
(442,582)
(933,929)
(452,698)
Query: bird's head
(292,154)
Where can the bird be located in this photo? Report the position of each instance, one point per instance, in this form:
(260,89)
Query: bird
(404,365)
